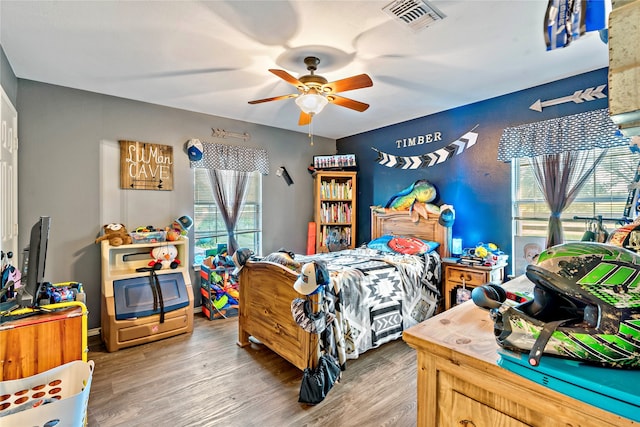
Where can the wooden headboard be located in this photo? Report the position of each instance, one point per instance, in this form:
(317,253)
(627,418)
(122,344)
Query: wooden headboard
(400,223)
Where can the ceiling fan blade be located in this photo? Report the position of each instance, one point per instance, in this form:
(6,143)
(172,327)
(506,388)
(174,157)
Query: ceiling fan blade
(348,103)
(305,118)
(350,83)
(287,77)
(275,98)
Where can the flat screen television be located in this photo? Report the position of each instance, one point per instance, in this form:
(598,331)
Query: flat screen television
(33,263)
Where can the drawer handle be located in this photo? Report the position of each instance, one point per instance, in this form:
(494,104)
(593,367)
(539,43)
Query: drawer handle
(467,423)
(467,277)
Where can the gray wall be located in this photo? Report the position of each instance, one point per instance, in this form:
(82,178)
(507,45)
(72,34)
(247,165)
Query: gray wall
(8,79)
(67,170)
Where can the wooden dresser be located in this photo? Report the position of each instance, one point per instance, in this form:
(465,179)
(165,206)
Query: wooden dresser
(34,344)
(460,383)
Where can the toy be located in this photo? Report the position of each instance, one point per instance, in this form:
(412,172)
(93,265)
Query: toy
(222,259)
(146,229)
(172,235)
(164,257)
(116,234)
(421,191)
(484,254)
(61,293)
(179,228)
(148,234)
(223,284)
(219,288)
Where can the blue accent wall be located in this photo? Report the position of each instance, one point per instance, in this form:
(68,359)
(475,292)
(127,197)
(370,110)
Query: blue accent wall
(473,181)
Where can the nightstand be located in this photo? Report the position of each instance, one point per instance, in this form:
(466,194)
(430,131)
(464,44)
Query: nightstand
(457,275)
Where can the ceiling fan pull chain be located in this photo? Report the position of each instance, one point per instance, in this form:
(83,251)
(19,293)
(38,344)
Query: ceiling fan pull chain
(311,130)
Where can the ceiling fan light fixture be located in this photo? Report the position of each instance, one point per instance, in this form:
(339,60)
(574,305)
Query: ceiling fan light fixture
(311,103)
(314,91)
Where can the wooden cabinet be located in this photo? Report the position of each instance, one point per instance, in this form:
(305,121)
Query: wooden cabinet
(460,383)
(335,210)
(457,275)
(121,263)
(34,344)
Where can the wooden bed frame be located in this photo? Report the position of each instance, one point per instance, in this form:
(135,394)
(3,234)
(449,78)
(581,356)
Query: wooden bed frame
(266,291)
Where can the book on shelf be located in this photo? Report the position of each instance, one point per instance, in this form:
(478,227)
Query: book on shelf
(340,212)
(336,190)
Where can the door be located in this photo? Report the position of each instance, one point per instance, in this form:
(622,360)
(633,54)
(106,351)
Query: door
(8,181)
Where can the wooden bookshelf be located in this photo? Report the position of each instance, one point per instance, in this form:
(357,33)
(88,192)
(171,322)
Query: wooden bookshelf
(335,210)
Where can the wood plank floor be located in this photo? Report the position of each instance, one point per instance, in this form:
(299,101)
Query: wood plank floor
(205,379)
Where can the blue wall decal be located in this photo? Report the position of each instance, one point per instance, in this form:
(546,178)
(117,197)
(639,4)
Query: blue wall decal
(588,94)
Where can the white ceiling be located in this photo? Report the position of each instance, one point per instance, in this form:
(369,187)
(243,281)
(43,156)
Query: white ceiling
(213,56)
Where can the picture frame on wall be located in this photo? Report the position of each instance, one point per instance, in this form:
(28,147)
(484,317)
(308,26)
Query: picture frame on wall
(525,251)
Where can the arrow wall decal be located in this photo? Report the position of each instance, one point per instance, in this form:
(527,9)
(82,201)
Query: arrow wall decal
(429,159)
(579,96)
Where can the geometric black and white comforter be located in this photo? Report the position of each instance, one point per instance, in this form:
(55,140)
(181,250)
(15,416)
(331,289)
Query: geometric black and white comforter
(375,296)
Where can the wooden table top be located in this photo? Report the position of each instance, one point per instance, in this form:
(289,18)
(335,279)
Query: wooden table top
(465,328)
(41,317)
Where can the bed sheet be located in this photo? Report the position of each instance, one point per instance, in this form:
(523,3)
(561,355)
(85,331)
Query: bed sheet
(375,296)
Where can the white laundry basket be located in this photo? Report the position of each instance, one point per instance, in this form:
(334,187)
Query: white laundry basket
(54,398)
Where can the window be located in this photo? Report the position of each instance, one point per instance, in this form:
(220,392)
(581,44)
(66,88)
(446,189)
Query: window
(605,194)
(209,228)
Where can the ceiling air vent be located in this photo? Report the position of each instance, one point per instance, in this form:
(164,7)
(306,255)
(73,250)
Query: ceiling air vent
(416,14)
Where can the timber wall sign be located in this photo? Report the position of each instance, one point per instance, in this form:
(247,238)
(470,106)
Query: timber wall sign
(428,159)
(145,166)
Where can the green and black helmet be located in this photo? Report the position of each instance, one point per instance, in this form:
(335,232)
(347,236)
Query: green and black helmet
(586,306)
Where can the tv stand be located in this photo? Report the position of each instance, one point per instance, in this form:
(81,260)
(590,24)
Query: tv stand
(121,263)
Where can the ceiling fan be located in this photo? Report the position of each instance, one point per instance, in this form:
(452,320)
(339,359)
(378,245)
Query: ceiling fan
(314,91)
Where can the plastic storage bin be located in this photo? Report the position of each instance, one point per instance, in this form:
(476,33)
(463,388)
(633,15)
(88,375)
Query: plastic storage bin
(218,291)
(57,397)
(148,236)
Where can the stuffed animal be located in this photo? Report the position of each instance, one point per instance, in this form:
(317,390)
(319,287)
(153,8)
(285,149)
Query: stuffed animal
(164,257)
(116,234)
(173,234)
(179,228)
(421,191)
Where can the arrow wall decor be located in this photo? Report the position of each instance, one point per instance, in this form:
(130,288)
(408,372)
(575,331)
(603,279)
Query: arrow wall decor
(579,96)
(221,133)
(429,159)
